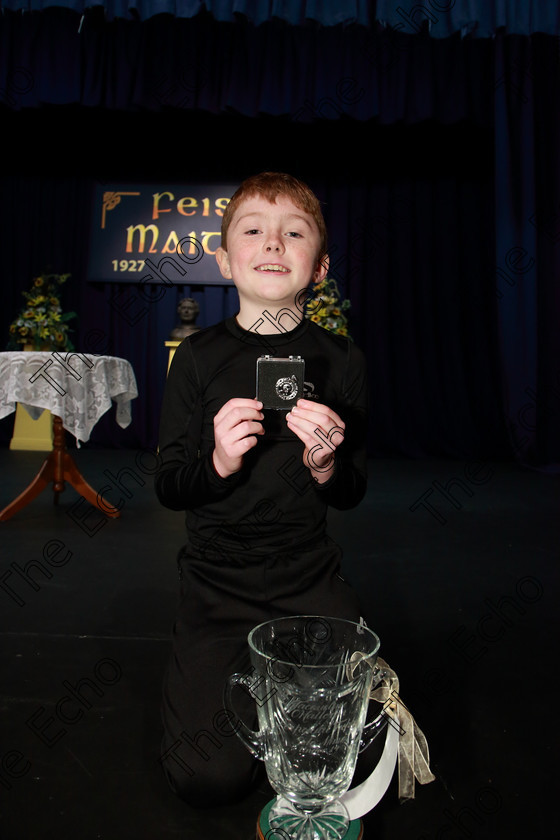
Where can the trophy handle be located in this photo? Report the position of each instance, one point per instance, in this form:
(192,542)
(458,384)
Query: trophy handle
(253,740)
(372,729)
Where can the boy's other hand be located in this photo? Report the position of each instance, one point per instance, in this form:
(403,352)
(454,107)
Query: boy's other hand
(321,431)
(236,428)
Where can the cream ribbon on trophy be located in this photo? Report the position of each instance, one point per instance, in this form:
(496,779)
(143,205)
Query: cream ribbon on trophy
(404,740)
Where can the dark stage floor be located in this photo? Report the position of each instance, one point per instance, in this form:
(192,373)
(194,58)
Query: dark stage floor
(464,595)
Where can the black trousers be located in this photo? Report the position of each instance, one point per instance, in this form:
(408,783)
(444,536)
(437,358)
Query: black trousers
(221,600)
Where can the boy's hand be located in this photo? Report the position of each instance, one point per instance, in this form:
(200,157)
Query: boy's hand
(321,430)
(236,426)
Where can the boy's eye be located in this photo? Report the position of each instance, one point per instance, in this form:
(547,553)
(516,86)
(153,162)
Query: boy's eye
(252,231)
(295,234)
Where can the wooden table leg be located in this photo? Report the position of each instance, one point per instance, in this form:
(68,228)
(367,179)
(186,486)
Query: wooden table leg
(59,468)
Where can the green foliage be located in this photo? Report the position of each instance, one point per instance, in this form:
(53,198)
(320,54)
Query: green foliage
(327,309)
(42,323)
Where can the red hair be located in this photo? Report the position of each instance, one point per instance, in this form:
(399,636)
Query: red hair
(270,185)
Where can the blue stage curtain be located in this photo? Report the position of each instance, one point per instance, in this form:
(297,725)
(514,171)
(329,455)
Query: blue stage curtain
(527,224)
(452,274)
(306,74)
(294,12)
(478,18)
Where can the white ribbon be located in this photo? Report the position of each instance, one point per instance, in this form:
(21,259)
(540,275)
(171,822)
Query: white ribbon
(361,799)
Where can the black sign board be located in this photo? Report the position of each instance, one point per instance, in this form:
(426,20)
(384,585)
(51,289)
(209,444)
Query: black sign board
(157,234)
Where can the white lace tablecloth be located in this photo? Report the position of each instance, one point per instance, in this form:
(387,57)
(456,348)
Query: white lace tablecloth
(77,387)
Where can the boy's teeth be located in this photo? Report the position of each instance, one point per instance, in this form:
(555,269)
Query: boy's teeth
(271,268)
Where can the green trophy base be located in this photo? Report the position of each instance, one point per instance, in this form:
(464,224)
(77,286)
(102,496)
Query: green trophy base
(265,832)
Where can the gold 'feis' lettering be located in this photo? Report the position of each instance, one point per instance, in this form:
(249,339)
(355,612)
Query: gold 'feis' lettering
(221,204)
(155,206)
(187,205)
(187,202)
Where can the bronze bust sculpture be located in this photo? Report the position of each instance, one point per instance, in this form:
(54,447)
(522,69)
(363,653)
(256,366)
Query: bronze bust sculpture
(187,311)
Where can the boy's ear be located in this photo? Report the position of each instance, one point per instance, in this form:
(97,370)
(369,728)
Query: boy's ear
(223,263)
(322,269)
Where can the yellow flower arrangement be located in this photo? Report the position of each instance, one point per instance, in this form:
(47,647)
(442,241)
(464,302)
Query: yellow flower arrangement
(42,322)
(324,307)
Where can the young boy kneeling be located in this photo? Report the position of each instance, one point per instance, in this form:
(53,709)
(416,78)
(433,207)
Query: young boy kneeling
(255,484)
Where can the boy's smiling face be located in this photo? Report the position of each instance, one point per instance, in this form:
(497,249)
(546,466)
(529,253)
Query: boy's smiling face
(272,254)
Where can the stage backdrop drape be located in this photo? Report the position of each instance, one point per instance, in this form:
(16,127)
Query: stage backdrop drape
(527,222)
(437,159)
(481,18)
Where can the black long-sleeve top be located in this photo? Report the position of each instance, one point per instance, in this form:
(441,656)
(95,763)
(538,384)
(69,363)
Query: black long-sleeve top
(272,504)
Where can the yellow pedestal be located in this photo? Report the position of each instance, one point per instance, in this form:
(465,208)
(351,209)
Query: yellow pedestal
(172,347)
(32,434)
